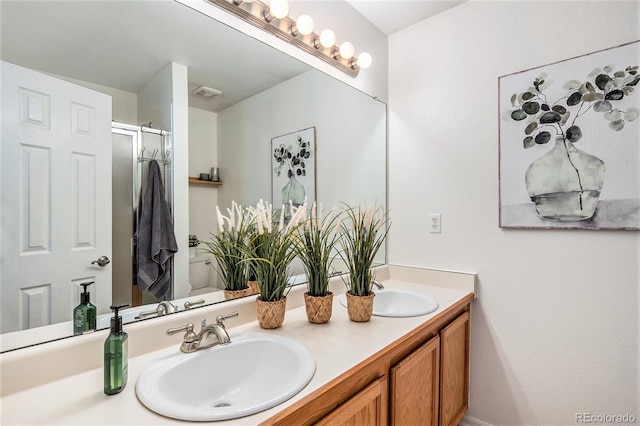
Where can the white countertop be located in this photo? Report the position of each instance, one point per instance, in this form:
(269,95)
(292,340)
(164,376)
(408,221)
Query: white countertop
(337,347)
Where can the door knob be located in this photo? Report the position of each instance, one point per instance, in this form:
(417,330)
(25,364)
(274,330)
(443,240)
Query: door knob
(102,261)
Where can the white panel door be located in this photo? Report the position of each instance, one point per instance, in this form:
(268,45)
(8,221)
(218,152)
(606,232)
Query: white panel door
(55,198)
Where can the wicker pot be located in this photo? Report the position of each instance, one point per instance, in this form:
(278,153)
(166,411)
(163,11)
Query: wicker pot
(235,294)
(271,314)
(254,286)
(318,307)
(360,308)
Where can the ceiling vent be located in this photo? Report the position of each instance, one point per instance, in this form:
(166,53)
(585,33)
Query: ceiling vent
(206,92)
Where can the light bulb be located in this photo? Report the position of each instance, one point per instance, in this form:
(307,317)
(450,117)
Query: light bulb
(347,50)
(304,24)
(364,60)
(327,38)
(279,8)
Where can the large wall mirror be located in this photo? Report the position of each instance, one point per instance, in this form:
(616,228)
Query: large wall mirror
(119,51)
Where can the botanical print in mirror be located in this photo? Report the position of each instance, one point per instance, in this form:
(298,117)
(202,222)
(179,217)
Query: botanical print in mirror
(294,170)
(570,143)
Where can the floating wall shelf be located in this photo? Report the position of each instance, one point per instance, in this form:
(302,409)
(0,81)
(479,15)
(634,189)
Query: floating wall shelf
(197,181)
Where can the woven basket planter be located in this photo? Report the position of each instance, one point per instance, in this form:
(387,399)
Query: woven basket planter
(271,314)
(318,308)
(235,294)
(254,286)
(360,308)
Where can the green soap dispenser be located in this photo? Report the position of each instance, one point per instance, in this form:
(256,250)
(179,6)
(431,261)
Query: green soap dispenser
(115,355)
(84,315)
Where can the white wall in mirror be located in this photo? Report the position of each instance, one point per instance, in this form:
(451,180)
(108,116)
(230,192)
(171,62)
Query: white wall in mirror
(203,154)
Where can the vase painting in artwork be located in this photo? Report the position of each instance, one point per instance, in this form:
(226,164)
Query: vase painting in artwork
(569,143)
(293,178)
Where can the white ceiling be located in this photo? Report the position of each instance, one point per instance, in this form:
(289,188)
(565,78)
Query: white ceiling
(393,15)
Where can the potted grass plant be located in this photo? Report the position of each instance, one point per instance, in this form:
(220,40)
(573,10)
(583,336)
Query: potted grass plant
(226,245)
(270,252)
(315,245)
(194,242)
(363,233)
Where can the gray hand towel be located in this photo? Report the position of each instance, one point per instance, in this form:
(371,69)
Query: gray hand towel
(156,240)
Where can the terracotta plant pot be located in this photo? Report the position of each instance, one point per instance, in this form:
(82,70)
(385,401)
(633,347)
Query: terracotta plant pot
(318,307)
(271,314)
(235,294)
(254,286)
(360,308)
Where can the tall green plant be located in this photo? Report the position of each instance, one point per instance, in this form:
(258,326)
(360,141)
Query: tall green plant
(315,242)
(363,233)
(271,249)
(227,246)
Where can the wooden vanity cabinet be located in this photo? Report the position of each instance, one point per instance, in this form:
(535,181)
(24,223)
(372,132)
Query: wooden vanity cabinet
(420,379)
(367,407)
(414,390)
(454,370)
(430,386)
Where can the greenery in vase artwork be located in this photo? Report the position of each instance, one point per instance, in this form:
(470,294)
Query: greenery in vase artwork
(600,91)
(292,159)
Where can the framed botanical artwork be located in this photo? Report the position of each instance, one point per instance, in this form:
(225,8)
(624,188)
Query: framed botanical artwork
(293,177)
(570,143)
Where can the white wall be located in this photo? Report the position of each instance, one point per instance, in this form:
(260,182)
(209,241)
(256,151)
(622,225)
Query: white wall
(124,105)
(203,154)
(180,134)
(555,328)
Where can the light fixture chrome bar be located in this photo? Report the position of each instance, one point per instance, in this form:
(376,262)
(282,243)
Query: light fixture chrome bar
(347,66)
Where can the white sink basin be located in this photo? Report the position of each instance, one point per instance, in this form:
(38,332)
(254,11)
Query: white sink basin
(399,303)
(254,372)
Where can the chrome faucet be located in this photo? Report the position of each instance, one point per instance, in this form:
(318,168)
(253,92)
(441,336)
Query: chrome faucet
(189,305)
(378,284)
(209,335)
(163,308)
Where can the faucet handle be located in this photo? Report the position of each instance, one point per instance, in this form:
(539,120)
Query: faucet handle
(189,335)
(220,318)
(189,305)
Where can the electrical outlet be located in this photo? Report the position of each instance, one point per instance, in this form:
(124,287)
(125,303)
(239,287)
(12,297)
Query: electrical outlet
(436,223)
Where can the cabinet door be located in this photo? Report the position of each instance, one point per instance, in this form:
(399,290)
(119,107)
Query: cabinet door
(454,374)
(414,386)
(364,408)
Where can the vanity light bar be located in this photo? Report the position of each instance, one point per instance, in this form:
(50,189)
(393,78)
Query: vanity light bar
(277,23)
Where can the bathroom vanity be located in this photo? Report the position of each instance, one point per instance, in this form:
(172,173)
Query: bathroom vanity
(421,378)
(385,371)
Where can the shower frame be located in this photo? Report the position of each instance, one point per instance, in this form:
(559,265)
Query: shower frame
(140,156)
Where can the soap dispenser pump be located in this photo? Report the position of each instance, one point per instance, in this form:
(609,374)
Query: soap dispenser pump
(84,315)
(115,355)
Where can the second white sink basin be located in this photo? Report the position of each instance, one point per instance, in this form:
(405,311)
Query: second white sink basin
(400,303)
(254,372)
